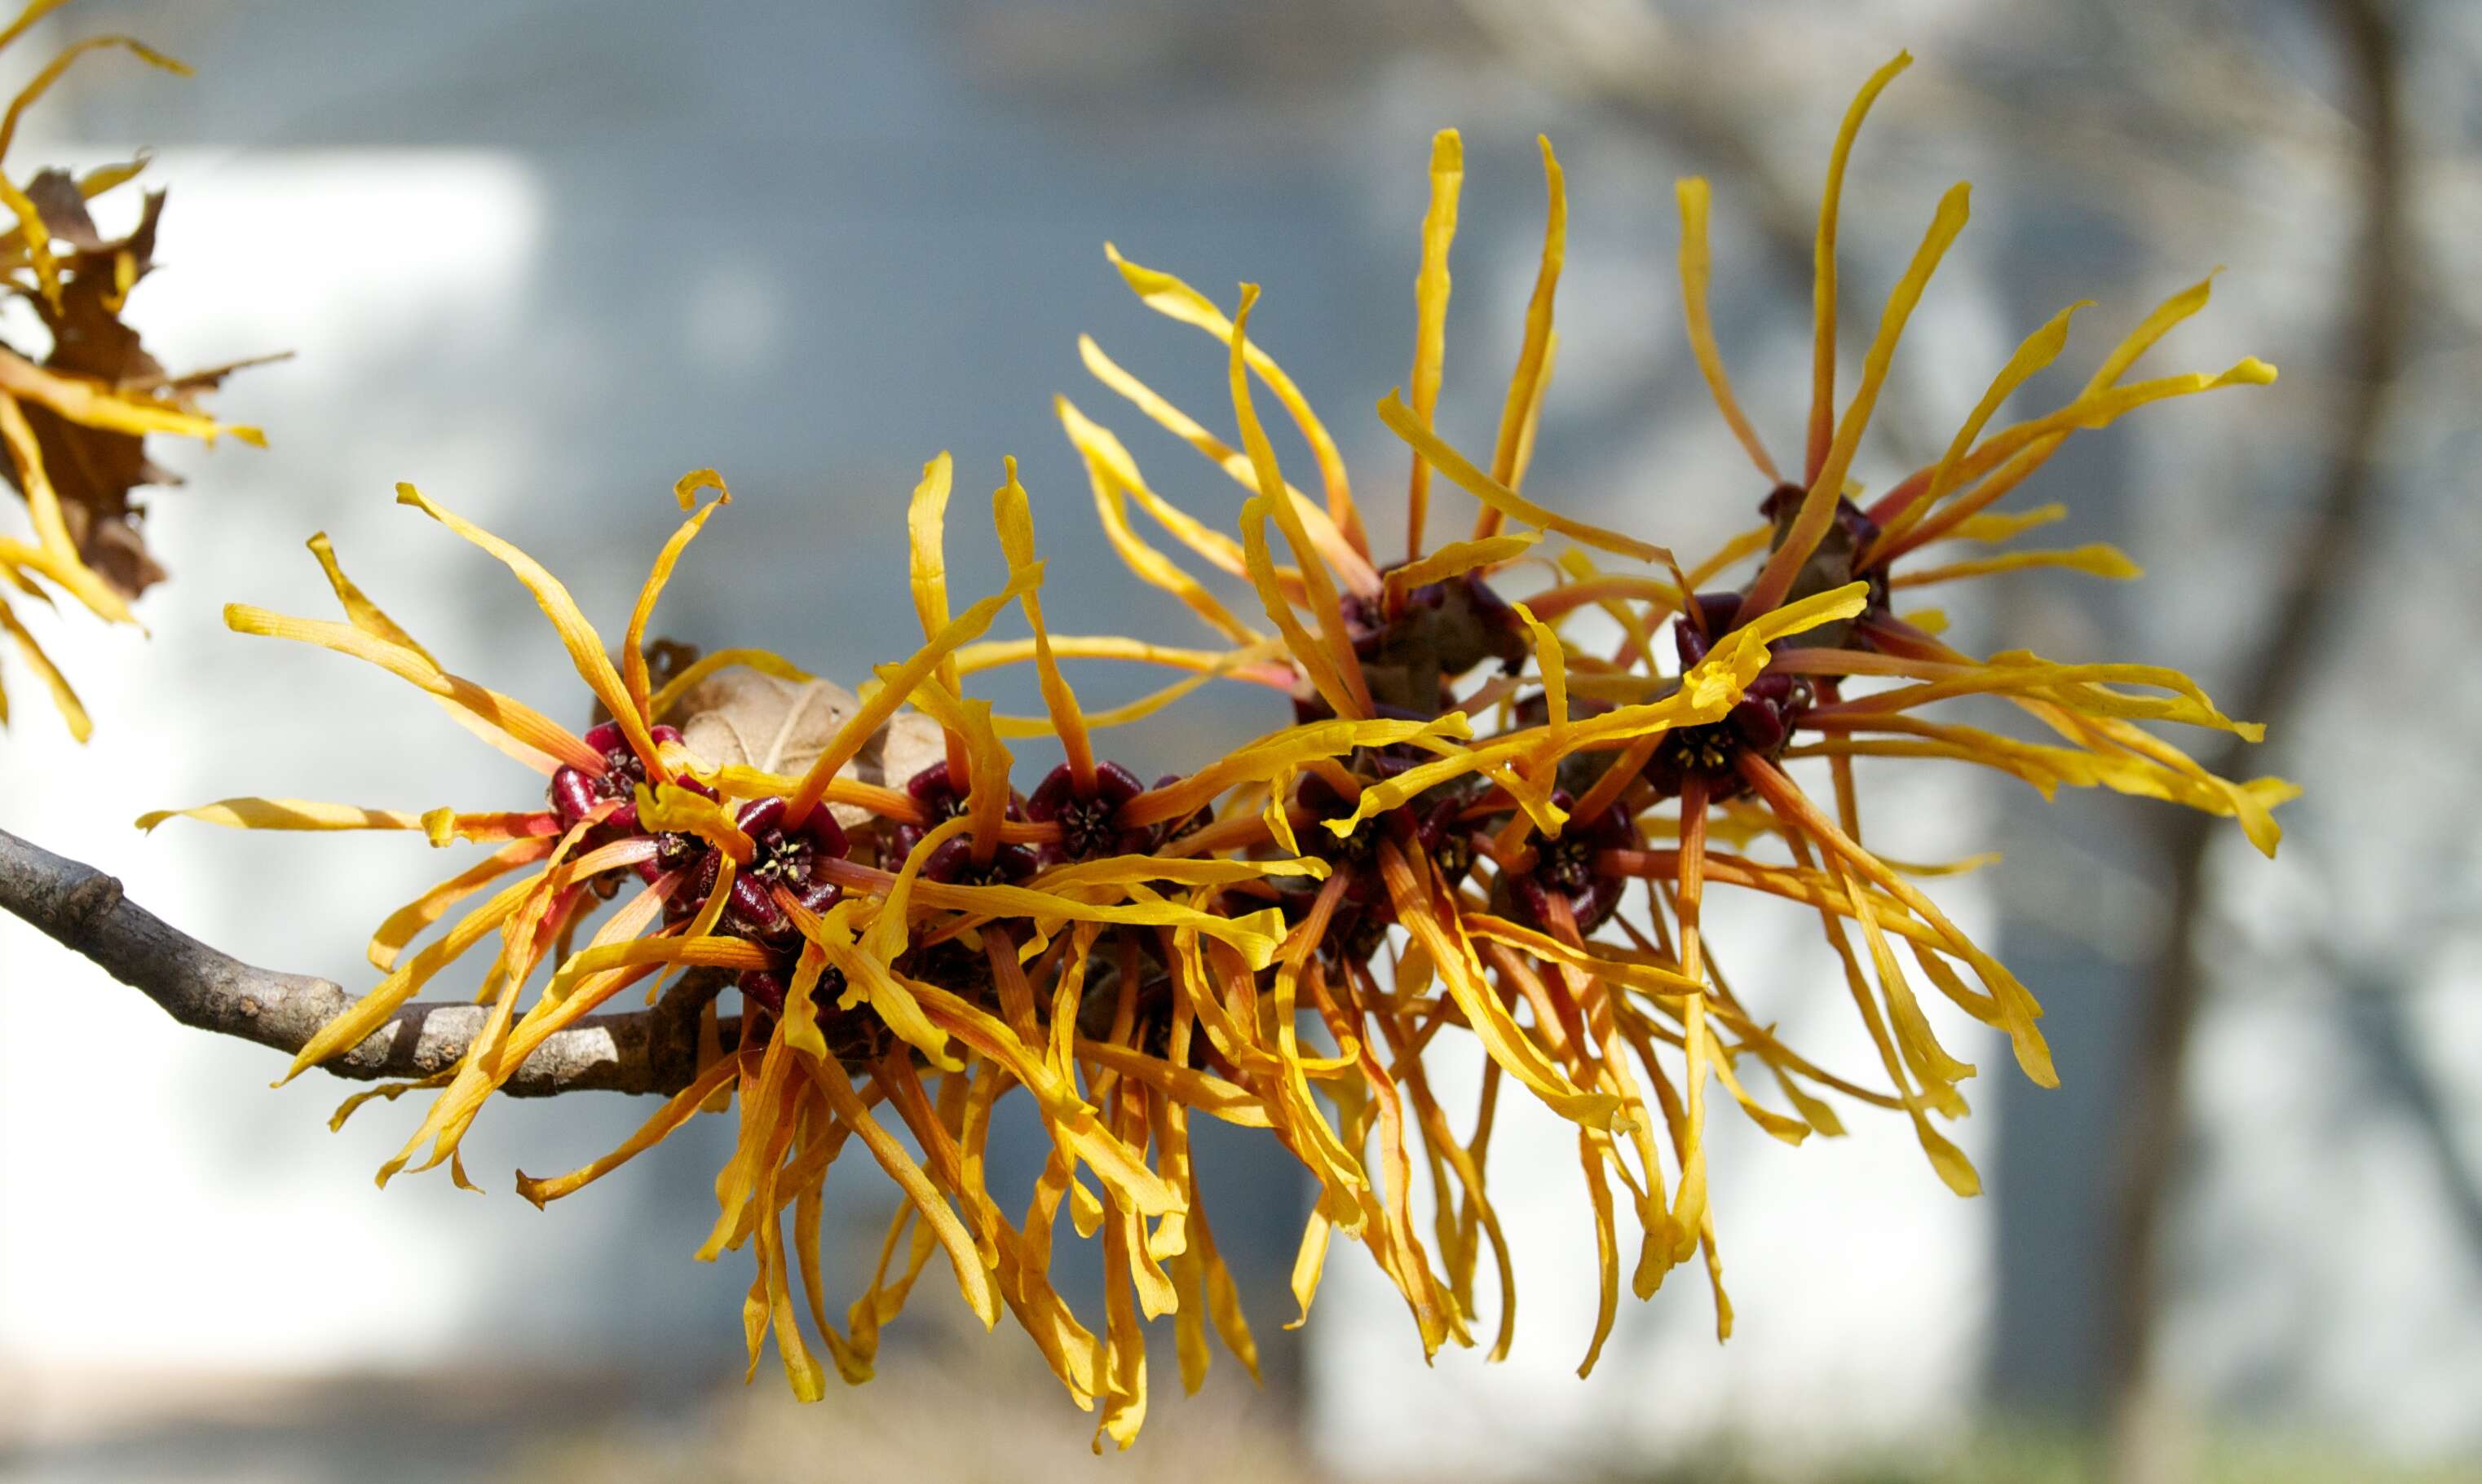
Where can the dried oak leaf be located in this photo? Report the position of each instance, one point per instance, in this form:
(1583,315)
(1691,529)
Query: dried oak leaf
(95,469)
(742,718)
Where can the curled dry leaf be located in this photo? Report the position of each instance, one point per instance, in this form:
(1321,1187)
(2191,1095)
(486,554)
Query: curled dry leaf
(93,469)
(742,718)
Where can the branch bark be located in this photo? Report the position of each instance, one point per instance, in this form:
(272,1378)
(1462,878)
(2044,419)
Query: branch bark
(652,1050)
(2310,593)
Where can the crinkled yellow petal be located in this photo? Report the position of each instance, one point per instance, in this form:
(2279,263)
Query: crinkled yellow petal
(1431,286)
(2249,803)
(34,234)
(1315,656)
(2083,687)
(94,404)
(1258,761)
(1533,356)
(250,813)
(347,1030)
(513,719)
(2017,450)
(1822,359)
(1071,1122)
(926,524)
(1204,1091)
(386,1092)
(972,735)
(367,616)
(1113,475)
(799,1024)
(973,1280)
(585,646)
(2098,559)
(2023,460)
(1705,693)
(1932,1066)
(1607,1260)
(633,652)
(1310,1261)
(408,922)
(1014,520)
(1247,663)
(1441,933)
(1175,300)
(801,1369)
(1500,498)
(63,698)
(1818,1113)
(1645,978)
(1457,558)
(2018,1009)
(1550,662)
(2158,323)
(992,654)
(868,980)
(1527,430)
(446,826)
(1990,529)
(1695,270)
(1224,1296)
(1254,934)
(1790,1130)
(1211,544)
(35,11)
(1826,484)
(2038,351)
(581,985)
(1319,586)
(670,806)
(59,559)
(852,1367)
(1948,1161)
(1124,870)
(1291,1108)
(43,81)
(896,688)
(1123,1375)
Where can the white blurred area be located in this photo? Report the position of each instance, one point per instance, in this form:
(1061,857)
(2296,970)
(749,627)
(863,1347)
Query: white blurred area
(157,1116)
(541,258)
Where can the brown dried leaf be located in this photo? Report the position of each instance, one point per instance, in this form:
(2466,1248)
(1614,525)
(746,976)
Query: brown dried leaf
(742,718)
(95,470)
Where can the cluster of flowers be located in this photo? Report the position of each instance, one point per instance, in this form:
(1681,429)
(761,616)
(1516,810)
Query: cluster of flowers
(73,419)
(1479,835)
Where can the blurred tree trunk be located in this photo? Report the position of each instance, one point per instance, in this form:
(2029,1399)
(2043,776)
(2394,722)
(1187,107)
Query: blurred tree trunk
(2311,594)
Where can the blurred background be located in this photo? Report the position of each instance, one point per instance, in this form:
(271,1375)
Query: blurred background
(541,258)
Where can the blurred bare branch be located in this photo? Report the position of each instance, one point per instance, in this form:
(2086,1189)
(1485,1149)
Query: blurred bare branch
(642,1052)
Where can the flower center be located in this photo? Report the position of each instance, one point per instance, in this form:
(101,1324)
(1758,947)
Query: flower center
(1704,750)
(783,857)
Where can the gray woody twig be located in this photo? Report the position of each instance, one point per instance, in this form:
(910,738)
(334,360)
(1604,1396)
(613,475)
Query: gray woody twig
(642,1052)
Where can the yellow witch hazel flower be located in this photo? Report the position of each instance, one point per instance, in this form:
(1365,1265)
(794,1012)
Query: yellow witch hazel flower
(960,940)
(74,419)
(1438,859)
(1498,857)
(1435,833)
